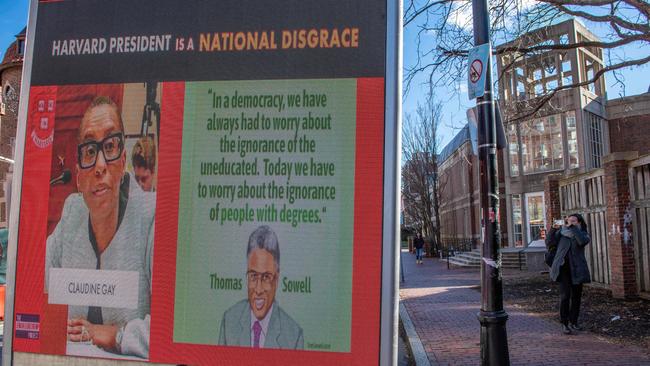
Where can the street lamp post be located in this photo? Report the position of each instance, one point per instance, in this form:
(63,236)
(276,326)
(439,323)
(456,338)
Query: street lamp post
(494,339)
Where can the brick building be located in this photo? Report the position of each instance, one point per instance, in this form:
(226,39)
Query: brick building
(10,78)
(581,153)
(459,190)
(460,206)
(568,135)
(628,117)
(613,199)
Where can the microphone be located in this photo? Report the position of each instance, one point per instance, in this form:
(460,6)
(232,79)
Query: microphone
(62,179)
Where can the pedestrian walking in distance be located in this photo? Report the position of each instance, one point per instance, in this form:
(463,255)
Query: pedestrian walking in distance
(419,247)
(569,267)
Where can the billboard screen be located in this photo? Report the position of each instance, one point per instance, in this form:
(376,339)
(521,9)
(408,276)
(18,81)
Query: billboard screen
(203,180)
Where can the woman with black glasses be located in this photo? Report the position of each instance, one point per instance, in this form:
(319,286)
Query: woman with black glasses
(107,226)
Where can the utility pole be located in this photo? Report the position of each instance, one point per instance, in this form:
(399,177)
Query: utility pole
(494,339)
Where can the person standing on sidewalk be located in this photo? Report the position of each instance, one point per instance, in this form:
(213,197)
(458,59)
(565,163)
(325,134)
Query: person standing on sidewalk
(419,247)
(570,268)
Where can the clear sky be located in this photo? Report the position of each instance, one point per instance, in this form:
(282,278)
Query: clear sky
(13,17)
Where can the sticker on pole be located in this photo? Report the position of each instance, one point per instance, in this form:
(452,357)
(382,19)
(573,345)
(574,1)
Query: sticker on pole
(478,61)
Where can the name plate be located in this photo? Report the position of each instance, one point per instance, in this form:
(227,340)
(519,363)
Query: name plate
(93,287)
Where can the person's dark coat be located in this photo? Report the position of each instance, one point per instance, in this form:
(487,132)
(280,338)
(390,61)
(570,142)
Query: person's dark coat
(419,243)
(571,244)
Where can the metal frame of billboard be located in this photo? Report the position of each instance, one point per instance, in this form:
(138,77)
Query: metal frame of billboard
(391,194)
(19,154)
(392,183)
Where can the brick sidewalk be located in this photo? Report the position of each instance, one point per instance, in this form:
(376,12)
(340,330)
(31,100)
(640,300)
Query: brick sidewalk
(443,305)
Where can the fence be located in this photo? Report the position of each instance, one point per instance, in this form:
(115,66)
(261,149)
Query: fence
(450,246)
(639,174)
(585,194)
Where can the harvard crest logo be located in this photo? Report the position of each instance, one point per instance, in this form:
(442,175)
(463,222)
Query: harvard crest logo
(42,127)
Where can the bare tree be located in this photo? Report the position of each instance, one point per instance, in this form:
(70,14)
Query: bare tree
(444,35)
(420,179)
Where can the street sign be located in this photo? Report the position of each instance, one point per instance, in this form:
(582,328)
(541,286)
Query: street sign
(475,71)
(478,57)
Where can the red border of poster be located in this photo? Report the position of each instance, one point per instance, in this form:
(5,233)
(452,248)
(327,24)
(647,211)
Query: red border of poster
(367,234)
(366,289)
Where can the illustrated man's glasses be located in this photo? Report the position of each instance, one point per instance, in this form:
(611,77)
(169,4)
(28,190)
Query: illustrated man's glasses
(112,147)
(266,278)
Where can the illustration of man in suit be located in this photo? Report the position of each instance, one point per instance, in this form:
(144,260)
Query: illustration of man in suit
(259,321)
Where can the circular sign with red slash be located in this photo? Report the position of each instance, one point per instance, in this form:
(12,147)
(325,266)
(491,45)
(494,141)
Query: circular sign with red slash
(475,70)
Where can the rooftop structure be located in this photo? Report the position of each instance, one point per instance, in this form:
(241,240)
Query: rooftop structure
(552,126)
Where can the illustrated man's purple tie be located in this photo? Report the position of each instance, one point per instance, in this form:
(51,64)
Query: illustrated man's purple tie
(257,331)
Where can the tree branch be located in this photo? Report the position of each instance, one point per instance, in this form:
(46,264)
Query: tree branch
(546,98)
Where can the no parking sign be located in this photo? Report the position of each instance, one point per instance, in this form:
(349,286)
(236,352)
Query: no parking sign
(478,60)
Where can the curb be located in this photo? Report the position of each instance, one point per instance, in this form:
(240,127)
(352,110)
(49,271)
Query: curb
(417,349)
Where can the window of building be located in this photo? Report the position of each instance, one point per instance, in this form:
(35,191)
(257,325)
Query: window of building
(513,147)
(551,85)
(517,222)
(21,46)
(564,39)
(535,213)
(594,125)
(555,122)
(590,70)
(541,144)
(567,78)
(521,90)
(572,140)
(520,93)
(520,71)
(507,81)
(549,67)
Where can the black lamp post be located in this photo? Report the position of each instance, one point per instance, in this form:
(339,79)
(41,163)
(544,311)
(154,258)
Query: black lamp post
(494,339)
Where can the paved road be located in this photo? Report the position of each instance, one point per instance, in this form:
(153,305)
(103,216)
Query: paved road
(443,305)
